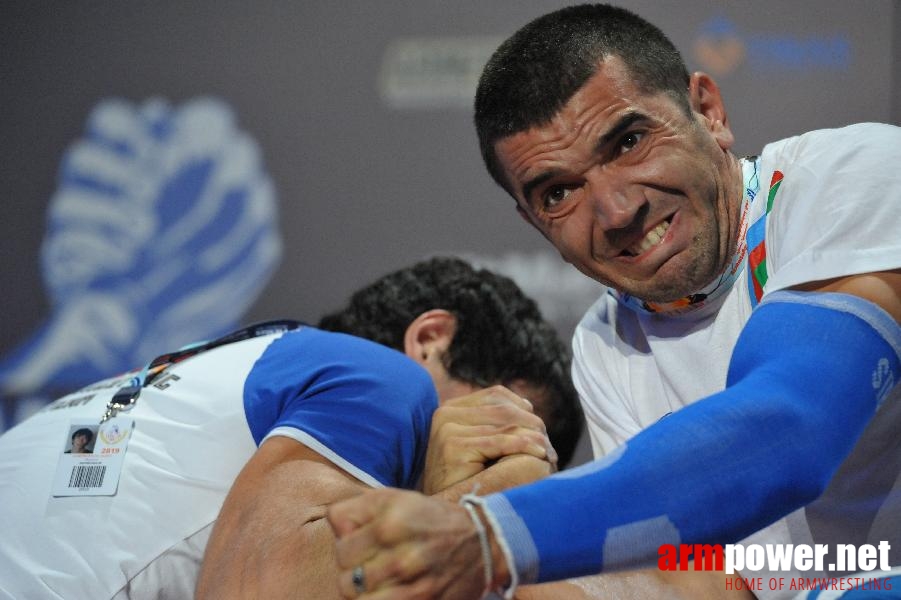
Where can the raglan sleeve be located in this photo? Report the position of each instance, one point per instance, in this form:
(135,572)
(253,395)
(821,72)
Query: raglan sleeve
(363,406)
(835,209)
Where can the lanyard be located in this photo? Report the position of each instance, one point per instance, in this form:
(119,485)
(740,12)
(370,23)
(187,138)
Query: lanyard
(127,395)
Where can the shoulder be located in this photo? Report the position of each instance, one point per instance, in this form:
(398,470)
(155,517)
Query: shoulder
(363,406)
(859,143)
(325,372)
(313,353)
(830,201)
(830,172)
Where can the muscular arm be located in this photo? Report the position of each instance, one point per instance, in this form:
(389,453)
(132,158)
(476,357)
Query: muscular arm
(271,538)
(801,385)
(801,388)
(884,290)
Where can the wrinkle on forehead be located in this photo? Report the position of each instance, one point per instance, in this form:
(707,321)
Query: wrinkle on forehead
(608,95)
(565,145)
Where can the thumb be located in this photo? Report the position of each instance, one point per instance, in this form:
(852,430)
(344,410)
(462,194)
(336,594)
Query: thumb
(348,515)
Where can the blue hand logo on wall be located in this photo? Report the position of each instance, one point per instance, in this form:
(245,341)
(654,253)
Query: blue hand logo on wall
(162,231)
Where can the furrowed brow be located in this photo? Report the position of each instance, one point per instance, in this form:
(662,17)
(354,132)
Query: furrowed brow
(529,186)
(624,123)
(612,135)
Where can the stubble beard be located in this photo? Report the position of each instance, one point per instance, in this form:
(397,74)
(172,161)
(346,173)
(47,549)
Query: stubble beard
(698,272)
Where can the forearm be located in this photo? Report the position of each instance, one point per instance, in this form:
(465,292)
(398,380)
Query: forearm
(508,472)
(715,471)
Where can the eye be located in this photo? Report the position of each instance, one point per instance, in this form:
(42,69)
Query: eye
(554,195)
(629,141)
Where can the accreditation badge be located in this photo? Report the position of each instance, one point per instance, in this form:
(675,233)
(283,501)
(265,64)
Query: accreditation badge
(91,458)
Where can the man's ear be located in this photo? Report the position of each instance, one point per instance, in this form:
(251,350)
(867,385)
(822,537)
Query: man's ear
(706,100)
(430,335)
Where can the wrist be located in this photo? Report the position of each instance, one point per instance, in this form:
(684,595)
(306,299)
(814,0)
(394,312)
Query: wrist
(502,579)
(500,574)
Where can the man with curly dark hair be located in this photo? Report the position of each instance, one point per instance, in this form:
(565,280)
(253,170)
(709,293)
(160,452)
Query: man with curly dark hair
(273,423)
(499,337)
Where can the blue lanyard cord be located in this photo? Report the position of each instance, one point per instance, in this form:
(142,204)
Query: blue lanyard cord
(128,394)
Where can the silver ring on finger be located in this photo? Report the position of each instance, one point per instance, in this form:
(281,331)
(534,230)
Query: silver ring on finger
(358,577)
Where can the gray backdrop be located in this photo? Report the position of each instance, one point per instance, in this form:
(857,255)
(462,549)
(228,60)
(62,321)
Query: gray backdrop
(362,113)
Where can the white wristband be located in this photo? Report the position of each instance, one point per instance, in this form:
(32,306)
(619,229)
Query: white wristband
(486,546)
(468,501)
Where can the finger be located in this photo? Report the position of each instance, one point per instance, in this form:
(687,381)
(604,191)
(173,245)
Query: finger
(415,590)
(357,547)
(357,583)
(439,559)
(425,586)
(496,445)
(463,457)
(370,523)
(386,570)
(348,582)
(499,414)
(496,394)
(348,515)
(353,514)
(393,546)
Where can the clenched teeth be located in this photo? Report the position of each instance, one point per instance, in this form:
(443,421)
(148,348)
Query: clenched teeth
(652,238)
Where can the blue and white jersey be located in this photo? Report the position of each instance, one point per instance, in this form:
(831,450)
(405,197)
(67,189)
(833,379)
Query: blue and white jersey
(363,406)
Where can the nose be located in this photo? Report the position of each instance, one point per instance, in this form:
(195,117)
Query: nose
(615,204)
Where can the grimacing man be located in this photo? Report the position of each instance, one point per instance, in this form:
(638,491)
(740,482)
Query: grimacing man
(740,376)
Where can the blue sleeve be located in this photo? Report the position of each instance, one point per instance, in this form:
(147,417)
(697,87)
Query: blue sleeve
(807,374)
(364,406)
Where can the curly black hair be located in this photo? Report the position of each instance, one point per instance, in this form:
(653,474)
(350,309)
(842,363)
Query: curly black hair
(501,336)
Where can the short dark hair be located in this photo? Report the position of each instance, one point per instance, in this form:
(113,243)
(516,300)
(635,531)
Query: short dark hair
(85,432)
(501,336)
(533,74)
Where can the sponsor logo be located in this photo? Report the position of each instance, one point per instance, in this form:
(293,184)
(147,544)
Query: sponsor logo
(751,559)
(434,72)
(112,433)
(883,379)
(721,48)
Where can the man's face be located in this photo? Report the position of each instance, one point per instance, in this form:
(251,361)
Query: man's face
(80,441)
(629,189)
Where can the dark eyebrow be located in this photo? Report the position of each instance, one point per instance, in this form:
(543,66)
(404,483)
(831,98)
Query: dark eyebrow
(624,123)
(533,183)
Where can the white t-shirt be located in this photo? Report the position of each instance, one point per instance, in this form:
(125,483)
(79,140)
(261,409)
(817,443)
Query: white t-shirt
(836,212)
